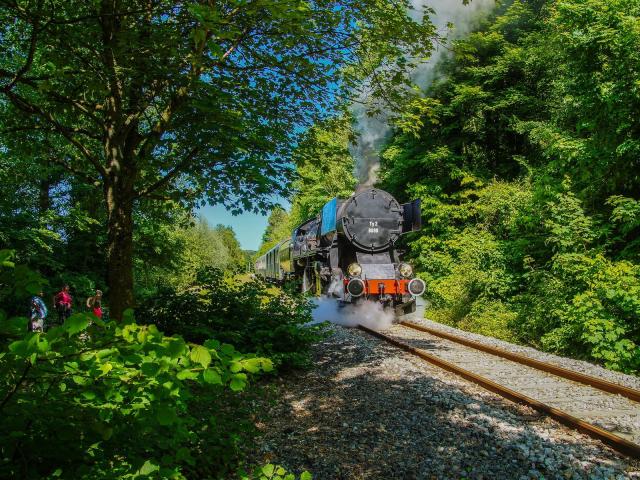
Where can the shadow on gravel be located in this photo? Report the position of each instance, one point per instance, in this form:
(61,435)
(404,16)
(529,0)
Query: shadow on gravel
(366,412)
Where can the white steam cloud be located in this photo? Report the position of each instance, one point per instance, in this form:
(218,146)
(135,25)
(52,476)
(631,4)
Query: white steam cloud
(374,131)
(369,314)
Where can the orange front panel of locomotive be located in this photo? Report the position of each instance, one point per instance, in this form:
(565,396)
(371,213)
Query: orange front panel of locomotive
(388,286)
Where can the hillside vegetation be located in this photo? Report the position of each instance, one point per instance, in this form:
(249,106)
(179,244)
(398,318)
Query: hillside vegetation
(525,152)
(526,156)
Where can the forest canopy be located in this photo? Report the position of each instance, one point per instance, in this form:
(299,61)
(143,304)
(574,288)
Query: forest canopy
(141,104)
(528,168)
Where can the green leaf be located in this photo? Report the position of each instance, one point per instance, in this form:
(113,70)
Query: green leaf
(80,380)
(267,365)
(166,415)
(238,382)
(268,469)
(176,347)
(89,395)
(201,355)
(42,343)
(148,468)
(13,326)
(20,348)
(76,323)
(212,344)
(186,375)
(5,259)
(252,365)
(150,369)
(128,317)
(212,377)
(306,476)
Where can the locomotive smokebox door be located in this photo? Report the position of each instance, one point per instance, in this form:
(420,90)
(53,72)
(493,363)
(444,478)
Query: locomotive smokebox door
(371,220)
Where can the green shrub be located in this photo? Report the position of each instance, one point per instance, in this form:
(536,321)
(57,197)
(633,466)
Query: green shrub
(246,314)
(93,399)
(601,318)
(491,318)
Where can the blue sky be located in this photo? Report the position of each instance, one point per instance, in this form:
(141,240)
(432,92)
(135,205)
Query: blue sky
(249,227)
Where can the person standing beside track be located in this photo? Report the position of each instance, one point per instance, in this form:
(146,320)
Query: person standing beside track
(38,313)
(95,304)
(63,301)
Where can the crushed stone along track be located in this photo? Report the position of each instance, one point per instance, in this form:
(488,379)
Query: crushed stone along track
(368,410)
(612,413)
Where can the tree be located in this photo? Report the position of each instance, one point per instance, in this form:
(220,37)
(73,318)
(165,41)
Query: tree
(228,238)
(194,101)
(324,166)
(278,228)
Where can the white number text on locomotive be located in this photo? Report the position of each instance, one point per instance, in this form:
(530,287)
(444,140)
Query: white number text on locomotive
(373,227)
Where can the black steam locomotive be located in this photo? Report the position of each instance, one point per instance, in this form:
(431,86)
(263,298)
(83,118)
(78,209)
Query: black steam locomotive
(348,252)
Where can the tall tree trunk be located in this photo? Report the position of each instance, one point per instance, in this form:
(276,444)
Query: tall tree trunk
(119,195)
(119,200)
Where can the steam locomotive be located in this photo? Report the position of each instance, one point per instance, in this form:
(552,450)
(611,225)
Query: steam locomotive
(348,252)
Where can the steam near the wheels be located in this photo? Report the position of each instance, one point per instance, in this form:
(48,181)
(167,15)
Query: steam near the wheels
(368,314)
(373,131)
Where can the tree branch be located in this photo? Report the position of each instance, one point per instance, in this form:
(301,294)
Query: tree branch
(27,65)
(170,175)
(68,167)
(16,386)
(65,131)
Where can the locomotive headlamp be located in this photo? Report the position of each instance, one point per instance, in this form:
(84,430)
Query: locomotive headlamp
(354,270)
(356,287)
(405,270)
(416,287)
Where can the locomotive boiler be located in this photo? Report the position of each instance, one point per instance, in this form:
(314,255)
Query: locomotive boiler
(348,252)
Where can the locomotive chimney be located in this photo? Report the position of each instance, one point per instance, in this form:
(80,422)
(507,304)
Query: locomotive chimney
(361,188)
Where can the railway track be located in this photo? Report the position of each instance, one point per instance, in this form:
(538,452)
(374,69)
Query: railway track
(603,410)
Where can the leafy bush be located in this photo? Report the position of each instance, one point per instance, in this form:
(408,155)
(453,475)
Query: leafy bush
(526,164)
(244,313)
(602,310)
(94,399)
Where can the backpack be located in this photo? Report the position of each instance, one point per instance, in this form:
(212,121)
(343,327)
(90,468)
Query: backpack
(41,306)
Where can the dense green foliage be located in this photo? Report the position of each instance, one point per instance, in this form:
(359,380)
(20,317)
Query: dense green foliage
(91,399)
(526,157)
(243,313)
(173,257)
(190,102)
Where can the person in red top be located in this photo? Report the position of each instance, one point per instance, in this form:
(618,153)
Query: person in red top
(95,304)
(63,303)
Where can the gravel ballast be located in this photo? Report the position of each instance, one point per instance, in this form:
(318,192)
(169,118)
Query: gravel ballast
(370,411)
(568,363)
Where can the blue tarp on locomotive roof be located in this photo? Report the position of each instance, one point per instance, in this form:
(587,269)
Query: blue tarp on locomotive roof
(329,217)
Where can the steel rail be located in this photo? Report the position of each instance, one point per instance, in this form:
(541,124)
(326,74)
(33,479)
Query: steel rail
(619,444)
(594,382)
